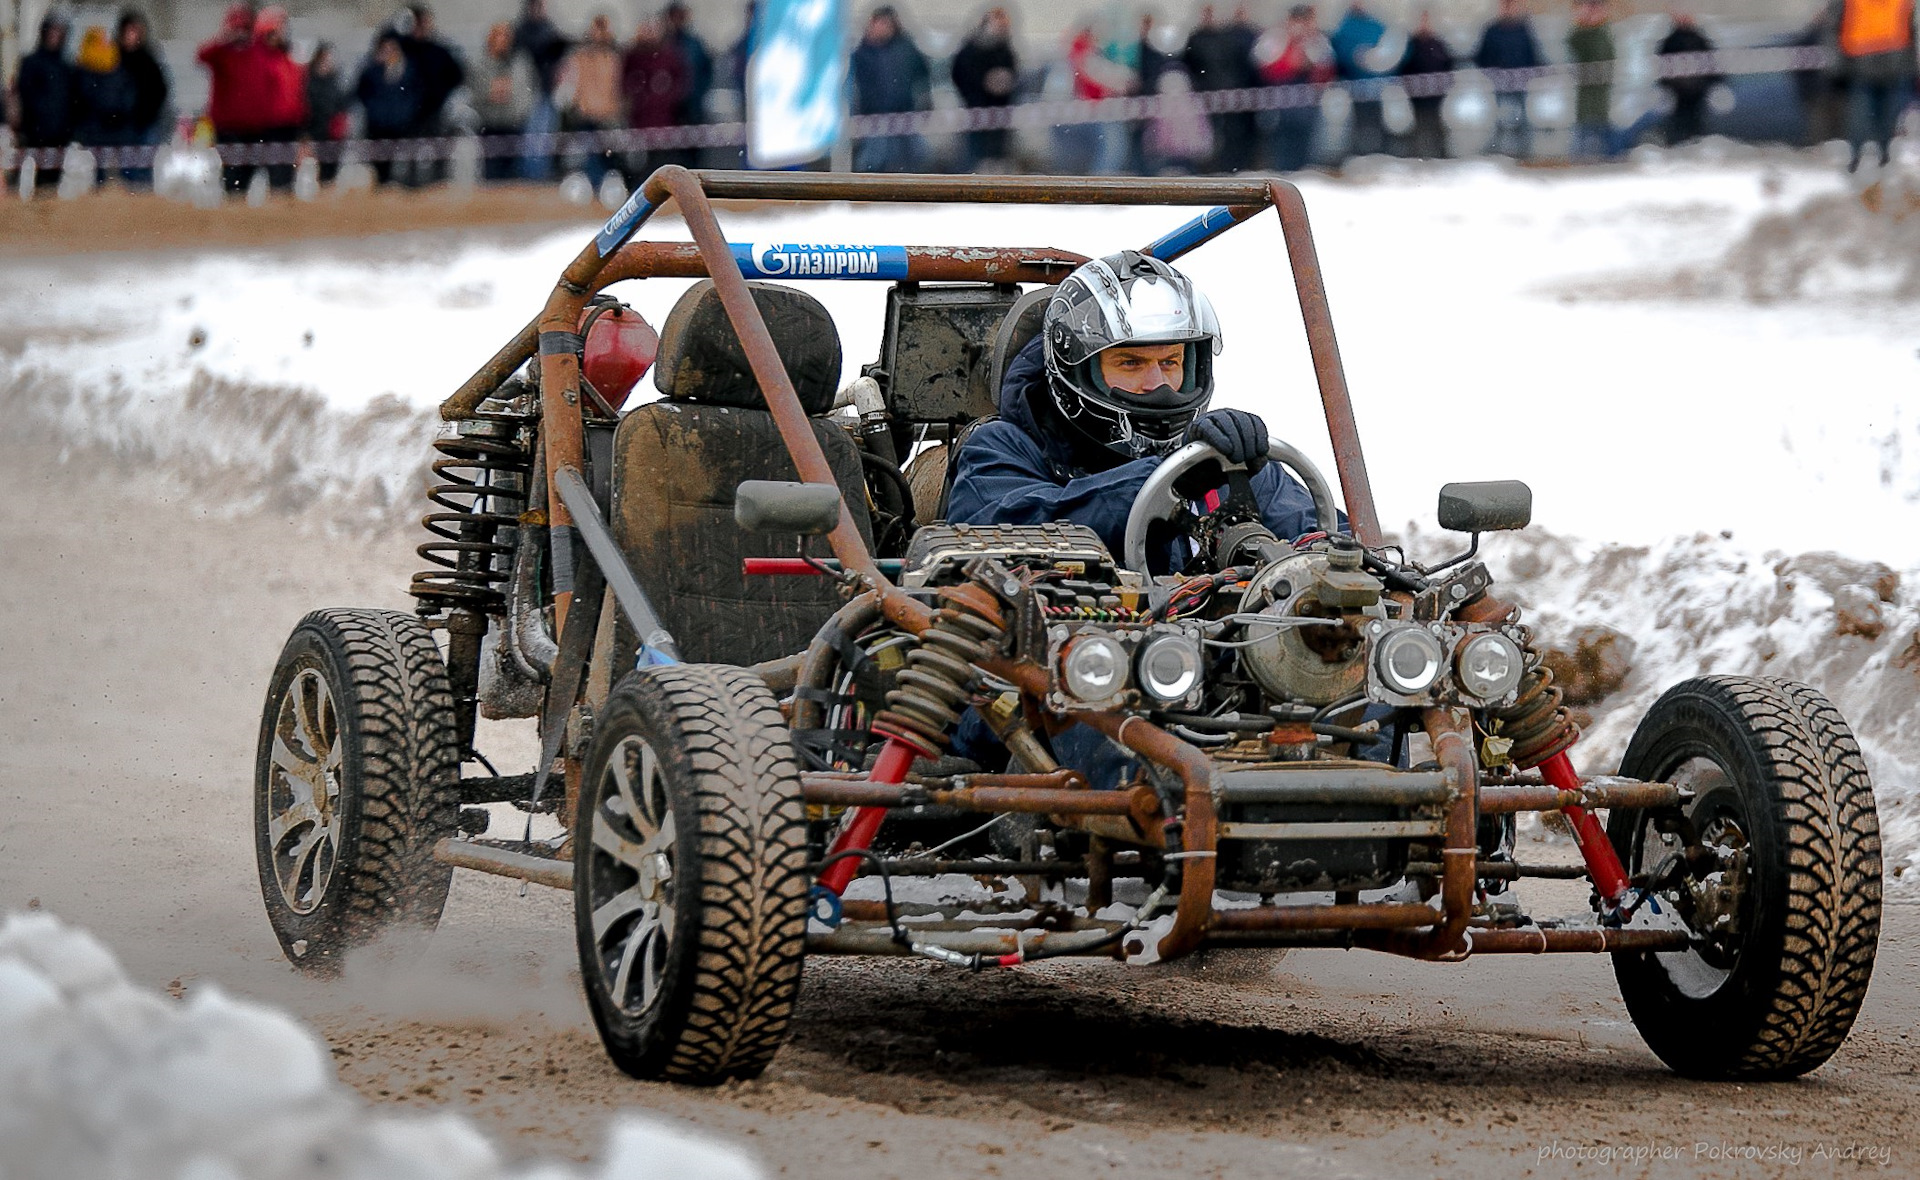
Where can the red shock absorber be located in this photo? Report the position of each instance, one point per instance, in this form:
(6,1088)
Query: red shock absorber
(1603,863)
(1542,732)
(933,690)
(895,759)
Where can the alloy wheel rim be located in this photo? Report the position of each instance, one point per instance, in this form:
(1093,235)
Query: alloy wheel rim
(630,877)
(303,791)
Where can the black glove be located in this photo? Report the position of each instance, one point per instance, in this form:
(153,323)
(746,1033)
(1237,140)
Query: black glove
(1240,437)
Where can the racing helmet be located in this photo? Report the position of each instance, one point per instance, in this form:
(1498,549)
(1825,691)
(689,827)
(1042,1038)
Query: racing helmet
(1128,298)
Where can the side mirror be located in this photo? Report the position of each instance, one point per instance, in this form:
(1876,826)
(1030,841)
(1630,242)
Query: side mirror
(780,506)
(1491,507)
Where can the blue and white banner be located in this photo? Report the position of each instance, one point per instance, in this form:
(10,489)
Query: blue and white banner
(796,82)
(795,260)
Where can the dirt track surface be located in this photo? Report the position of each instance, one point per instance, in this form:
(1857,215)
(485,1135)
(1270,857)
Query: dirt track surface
(139,632)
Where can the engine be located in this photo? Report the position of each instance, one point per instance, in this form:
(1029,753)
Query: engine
(1317,651)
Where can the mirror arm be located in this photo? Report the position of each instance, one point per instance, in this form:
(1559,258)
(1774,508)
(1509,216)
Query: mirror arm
(1473,548)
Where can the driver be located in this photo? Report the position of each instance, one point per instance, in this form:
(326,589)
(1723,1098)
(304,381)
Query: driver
(1118,378)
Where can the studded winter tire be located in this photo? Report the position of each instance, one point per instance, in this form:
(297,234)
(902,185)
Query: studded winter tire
(354,784)
(1775,866)
(690,882)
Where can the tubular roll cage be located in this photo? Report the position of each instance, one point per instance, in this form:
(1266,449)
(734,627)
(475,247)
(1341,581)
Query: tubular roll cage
(1409,929)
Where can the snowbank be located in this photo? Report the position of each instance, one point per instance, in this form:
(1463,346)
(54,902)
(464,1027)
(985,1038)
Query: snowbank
(100,1078)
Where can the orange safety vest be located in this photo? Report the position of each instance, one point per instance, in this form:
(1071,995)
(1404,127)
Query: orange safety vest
(1875,26)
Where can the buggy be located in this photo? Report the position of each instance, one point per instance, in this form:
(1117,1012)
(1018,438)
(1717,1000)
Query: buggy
(745,742)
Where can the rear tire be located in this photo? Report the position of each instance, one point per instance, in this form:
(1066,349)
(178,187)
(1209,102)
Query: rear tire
(690,875)
(355,781)
(1782,958)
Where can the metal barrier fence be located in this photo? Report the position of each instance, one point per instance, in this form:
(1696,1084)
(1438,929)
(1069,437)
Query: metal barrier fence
(1053,113)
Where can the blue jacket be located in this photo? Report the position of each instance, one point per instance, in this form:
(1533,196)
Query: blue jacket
(1509,45)
(1012,472)
(888,78)
(1357,33)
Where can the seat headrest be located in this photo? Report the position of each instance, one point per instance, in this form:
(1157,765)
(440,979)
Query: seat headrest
(1022,323)
(702,360)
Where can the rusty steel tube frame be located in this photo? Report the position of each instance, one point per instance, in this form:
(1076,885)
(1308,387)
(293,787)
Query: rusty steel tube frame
(1374,916)
(1591,939)
(694,193)
(1309,284)
(1504,800)
(562,435)
(1030,800)
(1451,735)
(682,260)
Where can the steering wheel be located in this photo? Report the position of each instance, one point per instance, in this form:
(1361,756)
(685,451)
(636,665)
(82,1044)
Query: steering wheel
(1158,501)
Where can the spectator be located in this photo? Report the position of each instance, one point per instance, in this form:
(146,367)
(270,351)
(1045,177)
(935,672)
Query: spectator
(43,101)
(505,87)
(150,89)
(1220,57)
(283,94)
(1876,43)
(1428,70)
(103,99)
(1688,119)
(257,92)
(588,95)
(699,59)
(1102,69)
(1823,90)
(1155,61)
(437,67)
(1297,55)
(1508,45)
(742,51)
(327,103)
(1590,48)
(890,77)
(1356,44)
(389,97)
(537,37)
(439,72)
(984,71)
(232,88)
(655,78)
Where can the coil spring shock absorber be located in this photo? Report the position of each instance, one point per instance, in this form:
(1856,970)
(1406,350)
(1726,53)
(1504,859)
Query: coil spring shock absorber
(933,688)
(479,486)
(1537,723)
(1542,731)
(938,679)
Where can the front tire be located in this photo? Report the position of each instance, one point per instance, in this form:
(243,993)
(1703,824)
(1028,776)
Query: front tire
(1784,896)
(690,875)
(355,781)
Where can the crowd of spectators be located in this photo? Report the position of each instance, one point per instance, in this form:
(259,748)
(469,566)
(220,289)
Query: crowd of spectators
(530,81)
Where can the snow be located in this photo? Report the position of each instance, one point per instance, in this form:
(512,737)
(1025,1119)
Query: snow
(1701,361)
(101,1078)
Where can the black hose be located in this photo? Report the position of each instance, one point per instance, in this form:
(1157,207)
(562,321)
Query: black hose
(900,483)
(1340,706)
